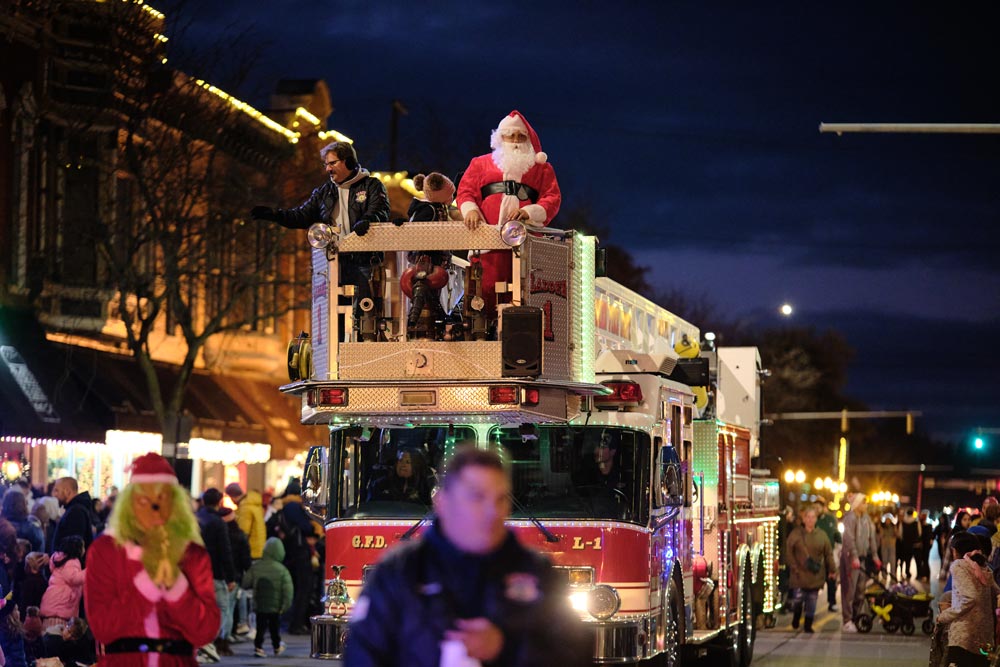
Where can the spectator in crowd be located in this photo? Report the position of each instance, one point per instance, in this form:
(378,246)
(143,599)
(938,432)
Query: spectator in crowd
(216,538)
(991,511)
(860,549)
(11,638)
(272,588)
(810,560)
(942,537)
(296,530)
(46,511)
(61,600)
(888,538)
(970,618)
(34,648)
(249,517)
(909,540)
(926,541)
(241,562)
(826,522)
(35,580)
(15,510)
(78,517)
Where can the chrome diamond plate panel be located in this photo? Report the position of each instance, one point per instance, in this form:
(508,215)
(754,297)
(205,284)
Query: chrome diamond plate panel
(320,320)
(456,404)
(548,287)
(424,236)
(423,359)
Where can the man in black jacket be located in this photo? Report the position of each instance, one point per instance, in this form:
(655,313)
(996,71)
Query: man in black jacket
(349,202)
(467,588)
(78,519)
(216,538)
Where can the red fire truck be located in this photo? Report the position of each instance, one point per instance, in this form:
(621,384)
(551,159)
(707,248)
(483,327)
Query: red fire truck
(629,451)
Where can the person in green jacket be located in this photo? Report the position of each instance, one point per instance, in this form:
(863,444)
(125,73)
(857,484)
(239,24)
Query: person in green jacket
(272,593)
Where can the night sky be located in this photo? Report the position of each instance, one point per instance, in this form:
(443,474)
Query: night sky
(692,133)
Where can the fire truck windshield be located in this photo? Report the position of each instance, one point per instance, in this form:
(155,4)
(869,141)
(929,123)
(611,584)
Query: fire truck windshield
(578,473)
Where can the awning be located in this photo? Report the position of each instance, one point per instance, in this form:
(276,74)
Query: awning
(39,395)
(223,407)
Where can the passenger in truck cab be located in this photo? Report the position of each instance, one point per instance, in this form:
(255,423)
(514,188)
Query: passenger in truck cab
(607,462)
(349,201)
(406,481)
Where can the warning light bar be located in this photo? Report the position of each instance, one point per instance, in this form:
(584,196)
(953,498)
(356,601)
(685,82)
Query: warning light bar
(623,395)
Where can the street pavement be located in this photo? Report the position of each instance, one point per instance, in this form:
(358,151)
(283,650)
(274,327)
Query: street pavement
(296,653)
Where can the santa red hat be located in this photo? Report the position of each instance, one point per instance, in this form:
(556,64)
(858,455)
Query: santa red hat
(152,468)
(516,121)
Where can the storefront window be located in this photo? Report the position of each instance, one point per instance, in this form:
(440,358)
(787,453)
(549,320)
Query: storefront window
(58,461)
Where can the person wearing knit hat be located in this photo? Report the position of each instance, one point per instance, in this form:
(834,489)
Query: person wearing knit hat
(515,181)
(148,588)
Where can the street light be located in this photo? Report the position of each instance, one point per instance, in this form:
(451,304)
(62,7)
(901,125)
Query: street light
(789,476)
(800,476)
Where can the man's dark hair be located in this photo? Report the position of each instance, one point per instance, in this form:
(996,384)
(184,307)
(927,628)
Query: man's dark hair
(212,497)
(468,457)
(344,151)
(992,513)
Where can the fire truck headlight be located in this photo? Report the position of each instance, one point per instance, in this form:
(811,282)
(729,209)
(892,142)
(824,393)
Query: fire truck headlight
(603,602)
(320,235)
(513,233)
(578,600)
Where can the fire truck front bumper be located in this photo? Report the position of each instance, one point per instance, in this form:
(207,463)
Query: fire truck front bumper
(328,635)
(623,640)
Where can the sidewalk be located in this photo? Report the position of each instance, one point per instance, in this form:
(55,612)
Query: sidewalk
(297,652)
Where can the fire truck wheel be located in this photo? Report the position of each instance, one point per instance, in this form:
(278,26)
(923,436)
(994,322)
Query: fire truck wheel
(671,656)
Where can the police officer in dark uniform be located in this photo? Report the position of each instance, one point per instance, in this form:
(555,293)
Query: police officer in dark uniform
(467,588)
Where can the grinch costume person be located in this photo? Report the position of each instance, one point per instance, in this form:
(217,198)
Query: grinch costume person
(148,589)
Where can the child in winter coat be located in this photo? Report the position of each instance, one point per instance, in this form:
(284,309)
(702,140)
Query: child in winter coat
(272,594)
(61,601)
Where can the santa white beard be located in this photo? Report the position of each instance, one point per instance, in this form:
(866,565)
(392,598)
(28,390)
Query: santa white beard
(514,160)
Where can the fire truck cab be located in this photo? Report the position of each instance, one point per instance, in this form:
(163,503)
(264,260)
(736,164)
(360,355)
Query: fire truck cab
(629,453)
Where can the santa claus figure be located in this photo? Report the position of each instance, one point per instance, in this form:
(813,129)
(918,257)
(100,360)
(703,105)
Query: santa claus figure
(514,182)
(148,588)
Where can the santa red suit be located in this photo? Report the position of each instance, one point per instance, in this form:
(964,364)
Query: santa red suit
(498,187)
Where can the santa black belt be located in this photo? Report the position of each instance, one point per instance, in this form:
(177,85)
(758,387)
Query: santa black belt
(519,190)
(149,645)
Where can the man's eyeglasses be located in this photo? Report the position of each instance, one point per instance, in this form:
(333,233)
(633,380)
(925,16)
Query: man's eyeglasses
(330,164)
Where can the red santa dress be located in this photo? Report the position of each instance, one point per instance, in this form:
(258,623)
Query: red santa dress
(483,171)
(123,602)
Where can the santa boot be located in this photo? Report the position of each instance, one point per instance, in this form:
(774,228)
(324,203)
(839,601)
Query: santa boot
(809,624)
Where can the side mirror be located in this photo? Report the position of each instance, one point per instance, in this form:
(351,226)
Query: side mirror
(316,482)
(669,487)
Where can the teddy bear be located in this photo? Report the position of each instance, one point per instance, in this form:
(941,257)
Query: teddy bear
(148,588)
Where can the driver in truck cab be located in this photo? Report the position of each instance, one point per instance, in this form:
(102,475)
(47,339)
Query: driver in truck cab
(467,592)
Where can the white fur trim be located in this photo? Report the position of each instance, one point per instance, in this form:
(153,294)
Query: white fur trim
(536,212)
(541,157)
(510,124)
(133,551)
(469,206)
(146,587)
(177,591)
(161,477)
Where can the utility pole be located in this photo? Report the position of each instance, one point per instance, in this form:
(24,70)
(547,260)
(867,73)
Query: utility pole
(844,443)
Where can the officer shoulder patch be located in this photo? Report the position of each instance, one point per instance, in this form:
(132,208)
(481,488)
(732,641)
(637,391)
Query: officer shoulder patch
(522,587)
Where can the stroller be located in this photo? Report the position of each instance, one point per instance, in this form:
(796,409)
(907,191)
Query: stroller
(897,606)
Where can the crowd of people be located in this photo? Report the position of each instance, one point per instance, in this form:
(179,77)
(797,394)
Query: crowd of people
(896,546)
(265,563)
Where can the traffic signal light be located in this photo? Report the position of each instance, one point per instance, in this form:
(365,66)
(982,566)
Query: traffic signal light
(978,443)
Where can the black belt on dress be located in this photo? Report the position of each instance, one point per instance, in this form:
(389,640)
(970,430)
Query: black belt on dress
(150,645)
(519,190)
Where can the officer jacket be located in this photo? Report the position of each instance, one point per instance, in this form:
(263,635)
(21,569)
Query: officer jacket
(418,591)
(368,201)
